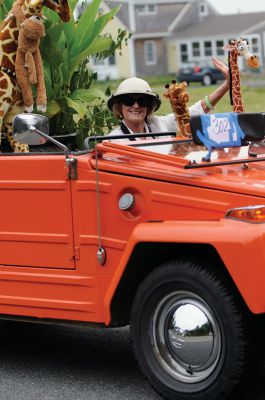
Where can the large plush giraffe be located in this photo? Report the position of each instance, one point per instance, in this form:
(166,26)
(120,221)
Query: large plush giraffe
(178,96)
(238,48)
(11,102)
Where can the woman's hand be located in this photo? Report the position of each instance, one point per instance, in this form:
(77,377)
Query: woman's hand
(221,90)
(222,68)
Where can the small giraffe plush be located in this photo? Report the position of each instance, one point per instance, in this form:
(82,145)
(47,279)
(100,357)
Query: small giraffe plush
(28,64)
(178,96)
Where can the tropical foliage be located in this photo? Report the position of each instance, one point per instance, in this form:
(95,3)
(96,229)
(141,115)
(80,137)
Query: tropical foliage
(74,103)
(5,6)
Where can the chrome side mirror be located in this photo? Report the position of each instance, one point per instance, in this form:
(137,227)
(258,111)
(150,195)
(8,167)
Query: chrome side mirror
(33,129)
(23,132)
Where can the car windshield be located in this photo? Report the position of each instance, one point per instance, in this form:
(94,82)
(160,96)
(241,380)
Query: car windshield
(188,150)
(183,153)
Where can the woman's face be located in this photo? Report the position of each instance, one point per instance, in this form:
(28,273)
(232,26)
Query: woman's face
(132,111)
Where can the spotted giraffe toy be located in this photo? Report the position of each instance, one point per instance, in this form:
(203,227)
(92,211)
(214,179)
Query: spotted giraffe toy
(235,49)
(11,102)
(178,97)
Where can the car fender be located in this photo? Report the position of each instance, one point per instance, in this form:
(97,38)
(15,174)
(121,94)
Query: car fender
(240,245)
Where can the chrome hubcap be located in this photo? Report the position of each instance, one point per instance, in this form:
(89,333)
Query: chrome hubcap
(186,337)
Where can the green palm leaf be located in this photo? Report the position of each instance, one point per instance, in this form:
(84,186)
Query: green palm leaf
(86,22)
(88,95)
(90,35)
(99,45)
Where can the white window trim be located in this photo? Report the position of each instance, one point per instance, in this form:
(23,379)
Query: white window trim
(200,48)
(204,48)
(263,42)
(154,61)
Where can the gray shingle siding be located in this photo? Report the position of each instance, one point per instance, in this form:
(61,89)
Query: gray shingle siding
(159,21)
(159,68)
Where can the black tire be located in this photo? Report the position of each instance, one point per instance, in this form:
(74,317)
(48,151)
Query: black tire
(190,333)
(207,80)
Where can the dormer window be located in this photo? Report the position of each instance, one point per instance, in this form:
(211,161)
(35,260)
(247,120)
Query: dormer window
(203,8)
(145,9)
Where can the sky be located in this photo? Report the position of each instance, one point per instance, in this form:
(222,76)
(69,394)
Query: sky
(234,6)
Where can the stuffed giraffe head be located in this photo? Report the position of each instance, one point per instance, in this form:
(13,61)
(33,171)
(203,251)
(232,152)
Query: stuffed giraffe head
(61,7)
(240,47)
(243,50)
(176,92)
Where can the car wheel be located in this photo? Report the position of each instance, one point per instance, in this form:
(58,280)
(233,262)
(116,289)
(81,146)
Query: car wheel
(189,333)
(206,80)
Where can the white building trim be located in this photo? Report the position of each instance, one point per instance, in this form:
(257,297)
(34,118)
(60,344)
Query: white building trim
(136,2)
(253,28)
(132,25)
(151,35)
(179,17)
(132,56)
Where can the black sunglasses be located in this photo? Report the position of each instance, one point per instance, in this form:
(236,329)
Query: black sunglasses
(130,100)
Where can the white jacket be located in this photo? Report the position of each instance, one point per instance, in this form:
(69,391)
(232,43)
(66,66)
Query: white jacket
(166,123)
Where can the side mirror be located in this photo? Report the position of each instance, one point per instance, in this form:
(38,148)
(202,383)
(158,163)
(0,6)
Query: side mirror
(23,132)
(33,129)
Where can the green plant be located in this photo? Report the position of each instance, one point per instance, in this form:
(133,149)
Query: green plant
(5,6)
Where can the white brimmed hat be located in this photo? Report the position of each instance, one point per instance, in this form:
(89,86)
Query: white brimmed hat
(134,86)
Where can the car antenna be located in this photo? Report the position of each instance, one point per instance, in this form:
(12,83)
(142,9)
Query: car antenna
(101,252)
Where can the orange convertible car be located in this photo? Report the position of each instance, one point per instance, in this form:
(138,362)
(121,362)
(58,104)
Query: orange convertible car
(163,234)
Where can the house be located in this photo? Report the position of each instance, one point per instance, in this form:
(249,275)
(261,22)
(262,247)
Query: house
(166,34)
(205,38)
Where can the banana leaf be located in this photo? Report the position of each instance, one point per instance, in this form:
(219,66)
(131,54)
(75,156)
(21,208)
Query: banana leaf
(88,95)
(90,35)
(53,108)
(86,22)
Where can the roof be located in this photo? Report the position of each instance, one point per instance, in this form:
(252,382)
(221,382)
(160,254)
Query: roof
(153,23)
(224,25)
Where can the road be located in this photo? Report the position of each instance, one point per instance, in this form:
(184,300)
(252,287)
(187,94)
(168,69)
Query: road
(64,363)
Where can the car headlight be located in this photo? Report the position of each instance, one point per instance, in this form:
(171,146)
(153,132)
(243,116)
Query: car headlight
(252,214)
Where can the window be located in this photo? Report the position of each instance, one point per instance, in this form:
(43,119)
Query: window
(146,9)
(112,60)
(140,9)
(254,45)
(184,52)
(219,47)
(196,52)
(151,8)
(150,52)
(208,48)
(203,8)
(98,61)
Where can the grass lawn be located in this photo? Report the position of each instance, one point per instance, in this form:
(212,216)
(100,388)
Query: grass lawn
(252,88)
(253,97)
